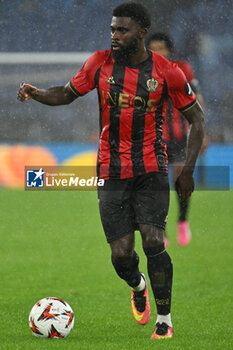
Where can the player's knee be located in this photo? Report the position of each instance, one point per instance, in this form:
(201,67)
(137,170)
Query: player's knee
(122,253)
(123,248)
(126,266)
(152,236)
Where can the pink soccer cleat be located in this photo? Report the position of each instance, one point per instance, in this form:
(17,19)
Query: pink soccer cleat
(183,233)
(166,242)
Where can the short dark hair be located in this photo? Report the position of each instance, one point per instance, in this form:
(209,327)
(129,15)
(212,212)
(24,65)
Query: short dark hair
(159,36)
(136,11)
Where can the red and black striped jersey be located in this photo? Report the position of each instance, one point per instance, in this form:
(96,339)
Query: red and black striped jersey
(175,126)
(132,102)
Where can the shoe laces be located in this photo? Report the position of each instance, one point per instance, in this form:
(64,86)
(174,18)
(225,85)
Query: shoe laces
(162,328)
(140,300)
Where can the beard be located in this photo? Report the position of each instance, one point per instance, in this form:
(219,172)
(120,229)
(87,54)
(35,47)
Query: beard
(124,54)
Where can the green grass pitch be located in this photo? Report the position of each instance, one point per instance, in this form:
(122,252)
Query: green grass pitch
(52,244)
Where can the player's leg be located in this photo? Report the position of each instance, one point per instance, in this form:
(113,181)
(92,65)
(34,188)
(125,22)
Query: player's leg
(160,271)
(118,222)
(183,230)
(151,207)
(125,261)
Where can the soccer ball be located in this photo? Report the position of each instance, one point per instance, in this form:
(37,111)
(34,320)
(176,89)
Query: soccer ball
(51,318)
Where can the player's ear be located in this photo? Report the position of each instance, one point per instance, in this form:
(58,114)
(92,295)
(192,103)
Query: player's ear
(142,33)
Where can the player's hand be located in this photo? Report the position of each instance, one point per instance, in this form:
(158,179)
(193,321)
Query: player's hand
(184,185)
(26,91)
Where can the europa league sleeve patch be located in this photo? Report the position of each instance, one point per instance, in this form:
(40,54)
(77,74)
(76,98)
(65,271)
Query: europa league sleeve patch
(188,89)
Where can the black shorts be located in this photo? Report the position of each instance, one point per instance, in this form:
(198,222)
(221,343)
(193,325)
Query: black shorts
(125,203)
(176,151)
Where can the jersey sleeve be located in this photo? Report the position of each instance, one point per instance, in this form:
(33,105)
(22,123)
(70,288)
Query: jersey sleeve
(189,73)
(84,81)
(179,89)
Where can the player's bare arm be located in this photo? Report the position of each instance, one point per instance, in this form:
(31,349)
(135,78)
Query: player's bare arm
(54,96)
(185,183)
(205,139)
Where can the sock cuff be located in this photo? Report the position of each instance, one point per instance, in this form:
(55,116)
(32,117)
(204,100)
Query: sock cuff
(153,251)
(164,319)
(141,286)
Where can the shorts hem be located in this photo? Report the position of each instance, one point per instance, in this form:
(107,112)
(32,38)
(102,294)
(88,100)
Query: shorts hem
(152,224)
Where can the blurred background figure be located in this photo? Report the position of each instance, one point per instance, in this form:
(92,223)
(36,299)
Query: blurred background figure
(175,128)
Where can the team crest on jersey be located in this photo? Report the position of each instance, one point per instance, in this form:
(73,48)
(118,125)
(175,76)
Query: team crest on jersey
(111,80)
(152,84)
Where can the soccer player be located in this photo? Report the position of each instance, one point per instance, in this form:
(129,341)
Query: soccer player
(175,130)
(133,85)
